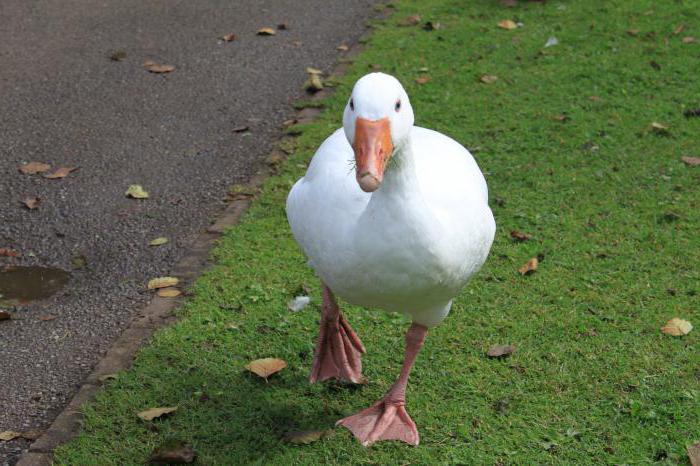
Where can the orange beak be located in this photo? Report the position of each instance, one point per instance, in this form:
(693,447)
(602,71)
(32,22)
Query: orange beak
(373,148)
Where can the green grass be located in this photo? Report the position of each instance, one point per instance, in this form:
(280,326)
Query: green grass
(610,206)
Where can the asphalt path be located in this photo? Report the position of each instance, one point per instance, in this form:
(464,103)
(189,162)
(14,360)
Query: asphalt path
(65,102)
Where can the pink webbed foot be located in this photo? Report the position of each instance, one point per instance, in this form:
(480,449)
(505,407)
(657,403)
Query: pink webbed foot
(338,349)
(386,420)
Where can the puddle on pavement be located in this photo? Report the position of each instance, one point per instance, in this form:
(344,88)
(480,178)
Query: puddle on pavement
(26,284)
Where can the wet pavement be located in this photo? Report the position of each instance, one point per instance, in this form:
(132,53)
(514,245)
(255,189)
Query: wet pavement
(66,102)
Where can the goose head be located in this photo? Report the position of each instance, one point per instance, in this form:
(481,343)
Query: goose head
(377,121)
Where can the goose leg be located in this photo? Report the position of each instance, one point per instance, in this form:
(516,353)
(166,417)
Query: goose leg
(387,419)
(338,349)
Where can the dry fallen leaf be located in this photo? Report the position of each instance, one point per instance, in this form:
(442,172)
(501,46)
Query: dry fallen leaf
(313,70)
(9,435)
(595,98)
(678,29)
(4,315)
(488,79)
(692,161)
(560,117)
(529,267)
(172,452)
(658,127)
(694,454)
(153,413)
(314,83)
(432,26)
(410,20)
(228,37)
(342,48)
(157,68)
(32,168)
(158,241)
(47,317)
(7,252)
(507,24)
(240,129)
(266,32)
(162,282)
(32,203)
(422,79)
(61,172)
(266,367)
(677,327)
(688,40)
(31,434)
(136,191)
(499,351)
(304,437)
(169,292)
(633,32)
(519,235)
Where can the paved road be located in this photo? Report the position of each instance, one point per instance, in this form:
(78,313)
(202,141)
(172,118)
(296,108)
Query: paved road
(64,102)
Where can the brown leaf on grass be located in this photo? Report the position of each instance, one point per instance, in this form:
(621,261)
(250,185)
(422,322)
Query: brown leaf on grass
(633,32)
(228,37)
(4,315)
(61,172)
(507,24)
(488,79)
(266,367)
(678,29)
(691,161)
(677,327)
(657,127)
(594,98)
(561,117)
(519,236)
(153,413)
(172,452)
(529,266)
(342,48)
(688,40)
(8,435)
(157,68)
(500,351)
(694,454)
(410,20)
(33,168)
(31,203)
(304,437)
(7,252)
(422,79)
(432,26)
(162,282)
(169,292)
(266,32)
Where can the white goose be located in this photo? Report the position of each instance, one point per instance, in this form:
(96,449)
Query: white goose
(404,233)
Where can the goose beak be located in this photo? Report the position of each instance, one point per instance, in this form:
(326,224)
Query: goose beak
(373,148)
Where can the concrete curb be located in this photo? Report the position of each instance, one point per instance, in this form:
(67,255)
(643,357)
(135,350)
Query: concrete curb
(158,313)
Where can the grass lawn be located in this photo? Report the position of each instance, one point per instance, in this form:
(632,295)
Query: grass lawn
(564,138)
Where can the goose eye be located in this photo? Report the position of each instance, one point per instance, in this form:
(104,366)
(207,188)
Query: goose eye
(352,105)
(397,106)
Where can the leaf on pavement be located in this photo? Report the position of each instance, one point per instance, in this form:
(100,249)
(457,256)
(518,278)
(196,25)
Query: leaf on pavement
(314,83)
(47,317)
(694,454)
(488,79)
(228,37)
(153,413)
(9,435)
(410,20)
(31,203)
(692,161)
(4,315)
(158,241)
(169,292)
(677,327)
(7,252)
(266,367)
(61,172)
(31,434)
(162,282)
(529,266)
(157,68)
(507,24)
(304,437)
(33,168)
(500,351)
(266,32)
(173,452)
(519,236)
(342,48)
(136,191)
